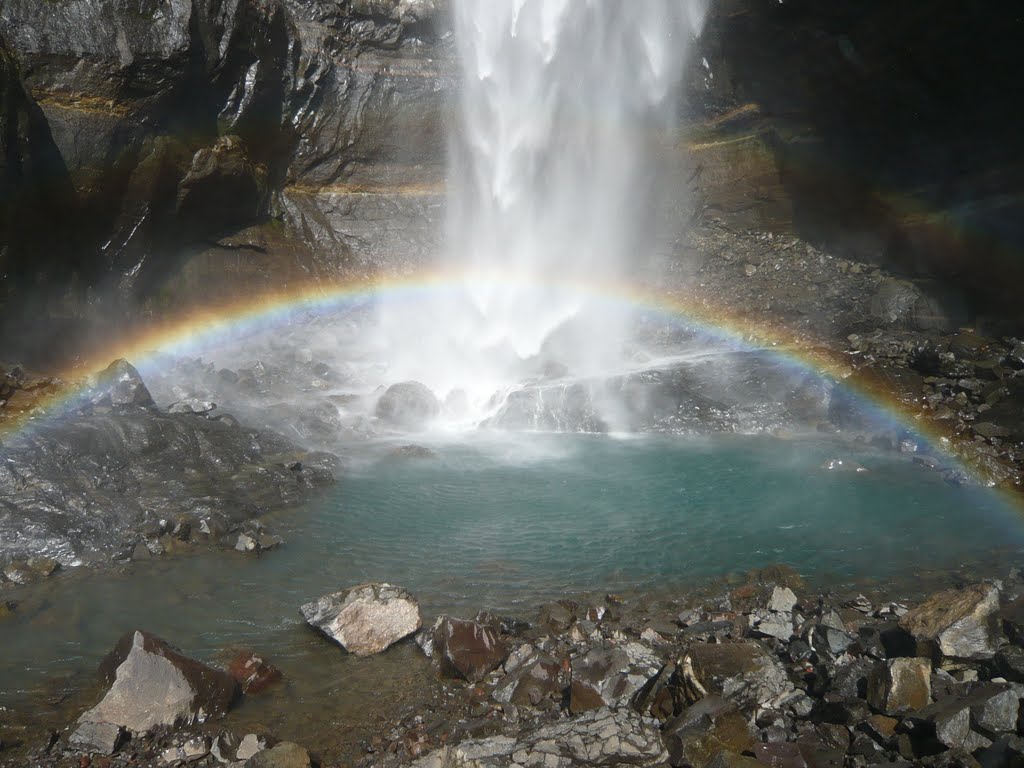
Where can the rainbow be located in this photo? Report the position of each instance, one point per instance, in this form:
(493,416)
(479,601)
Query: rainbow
(190,333)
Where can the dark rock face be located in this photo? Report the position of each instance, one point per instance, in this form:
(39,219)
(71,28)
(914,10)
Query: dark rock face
(820,119)
(153,685)
(155,130)
(95,483)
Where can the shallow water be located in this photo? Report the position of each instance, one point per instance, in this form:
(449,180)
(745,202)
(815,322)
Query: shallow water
(503,522)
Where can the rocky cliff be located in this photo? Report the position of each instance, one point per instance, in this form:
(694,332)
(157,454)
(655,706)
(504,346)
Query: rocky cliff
(157,149)
(157,152)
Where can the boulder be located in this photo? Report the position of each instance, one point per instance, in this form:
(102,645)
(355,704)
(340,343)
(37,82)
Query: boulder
(467,649)
(119,385)
(153,684)
(705,729)
(900,685)
(408,405)
(365,619)
(612,676)
(958,622)
(742,672)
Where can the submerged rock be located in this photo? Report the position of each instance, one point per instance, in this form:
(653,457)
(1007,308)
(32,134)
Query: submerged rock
(365,619)
(153,685)
(408,405)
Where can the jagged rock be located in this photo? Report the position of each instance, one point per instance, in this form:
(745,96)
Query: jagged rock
(284,754)
(252,673)
(612,676)
(781,600)
(701,731)
(96,738)
(995,708)
(467,649)
(742,672)
(598,739)
(950,719)
(152,685)
(959,623)
(408,405)
(119,385)
(900,685)
(365,619)
(249,746)
(530,681)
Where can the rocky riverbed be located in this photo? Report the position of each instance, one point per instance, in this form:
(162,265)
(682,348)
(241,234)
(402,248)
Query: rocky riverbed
(765,671)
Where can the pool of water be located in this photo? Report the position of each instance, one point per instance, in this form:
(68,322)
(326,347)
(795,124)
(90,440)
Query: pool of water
(504,522)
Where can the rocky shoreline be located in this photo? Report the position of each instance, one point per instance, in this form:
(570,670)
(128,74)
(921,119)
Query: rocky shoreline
(765,672)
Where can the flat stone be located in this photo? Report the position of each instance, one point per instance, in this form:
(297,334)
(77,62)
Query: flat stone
(365,619)
(900,685)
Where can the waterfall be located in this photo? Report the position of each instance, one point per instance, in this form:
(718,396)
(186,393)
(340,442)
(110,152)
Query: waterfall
(553,178)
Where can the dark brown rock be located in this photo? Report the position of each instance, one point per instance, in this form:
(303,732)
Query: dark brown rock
(467,649)
(957,623)
(252,673)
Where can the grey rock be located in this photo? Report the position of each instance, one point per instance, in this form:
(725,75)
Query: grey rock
(408,405)
(121,386)
(995,709)
(365,619)
(781,600)
(900,685)
(96,738)
(249,746)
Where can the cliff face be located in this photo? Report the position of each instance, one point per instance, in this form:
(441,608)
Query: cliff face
(153,146)
(167,151)
(886,131)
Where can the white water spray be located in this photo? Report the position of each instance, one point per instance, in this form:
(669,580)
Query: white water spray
(552,182)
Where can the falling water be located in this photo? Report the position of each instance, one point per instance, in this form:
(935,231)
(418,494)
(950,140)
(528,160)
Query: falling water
(553,180)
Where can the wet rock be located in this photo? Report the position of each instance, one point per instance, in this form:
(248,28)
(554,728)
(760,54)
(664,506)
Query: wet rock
(408,405)
(365,619)
(601,738)
(900,685)
(18,572)
(252,673)
(558,616)
(152,685)
(530,682)
(284,754)
(467,649)
(957,623)
(613,675)
(120,386)
(96,738)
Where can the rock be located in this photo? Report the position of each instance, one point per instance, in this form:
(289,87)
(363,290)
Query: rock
(531,680)
(249,746)
(995,709)
(614,675)
(19,573)
(408,405)
(701,731)
(44,566)
(959,623)
(950,719)
(119,385)
(252,673)
(467,649)
(742,672)
(96,738)
(1009,663)
(781,600)
(365,619)
(284,754)
(246,543)
(900,685)
(602,738)
(152,685)
(558,616)
(583,698)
